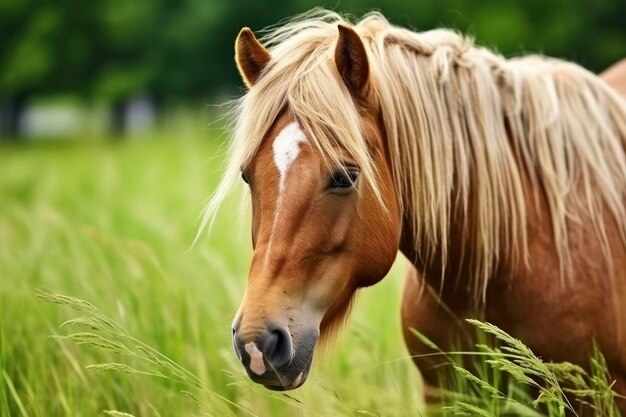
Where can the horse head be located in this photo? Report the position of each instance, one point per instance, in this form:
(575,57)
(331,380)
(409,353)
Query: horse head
(320,230)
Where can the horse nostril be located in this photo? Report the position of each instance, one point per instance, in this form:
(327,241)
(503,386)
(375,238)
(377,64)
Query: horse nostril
(237,344)
(277,347)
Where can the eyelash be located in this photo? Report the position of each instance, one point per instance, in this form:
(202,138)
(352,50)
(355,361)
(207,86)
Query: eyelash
(343,178)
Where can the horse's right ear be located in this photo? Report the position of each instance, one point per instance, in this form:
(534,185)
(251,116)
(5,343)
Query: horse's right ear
(251,57)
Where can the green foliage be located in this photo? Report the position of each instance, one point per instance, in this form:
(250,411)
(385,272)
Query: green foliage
(117,48)
(512,380)
(484,396)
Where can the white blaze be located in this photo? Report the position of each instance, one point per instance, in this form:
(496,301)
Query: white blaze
(286,149)
(256,359)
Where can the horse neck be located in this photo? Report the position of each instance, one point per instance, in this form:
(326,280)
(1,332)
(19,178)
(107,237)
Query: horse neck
(450,281)
(452,278)
(453,282)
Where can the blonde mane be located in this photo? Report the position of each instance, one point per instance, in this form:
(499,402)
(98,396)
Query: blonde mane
(466,130)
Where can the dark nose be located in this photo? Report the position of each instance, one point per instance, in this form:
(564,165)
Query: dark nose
(274,344)
(277,347)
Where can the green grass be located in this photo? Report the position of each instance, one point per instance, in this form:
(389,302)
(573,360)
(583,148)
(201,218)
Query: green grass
(503,377)
(112,223)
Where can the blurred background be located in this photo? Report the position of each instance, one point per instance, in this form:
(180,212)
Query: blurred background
(110,143)
(114,67)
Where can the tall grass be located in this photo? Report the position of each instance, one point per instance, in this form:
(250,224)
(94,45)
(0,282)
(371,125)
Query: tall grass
(505,377)
(503,382)
(113,223)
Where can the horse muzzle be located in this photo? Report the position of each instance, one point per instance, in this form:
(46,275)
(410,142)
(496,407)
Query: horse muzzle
(275,357)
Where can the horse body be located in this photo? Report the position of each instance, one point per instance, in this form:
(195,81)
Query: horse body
(503,182)
(616,76)
(558,321)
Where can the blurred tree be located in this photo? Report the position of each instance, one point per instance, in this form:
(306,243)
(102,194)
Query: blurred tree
(194,56)
(130,33)
(47,48)
(170,50)
(26,58)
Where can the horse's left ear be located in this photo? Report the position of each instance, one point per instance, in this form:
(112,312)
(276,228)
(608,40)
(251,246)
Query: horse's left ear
(351,59)
(251,57)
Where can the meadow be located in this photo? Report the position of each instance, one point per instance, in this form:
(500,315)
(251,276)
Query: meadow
(112,222)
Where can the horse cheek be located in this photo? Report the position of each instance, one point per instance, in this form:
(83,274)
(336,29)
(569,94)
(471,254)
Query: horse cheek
(380,247)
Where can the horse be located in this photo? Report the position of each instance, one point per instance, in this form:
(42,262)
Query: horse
(502,181)
(616,76)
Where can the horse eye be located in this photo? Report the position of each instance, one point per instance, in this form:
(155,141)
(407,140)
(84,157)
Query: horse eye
(343,178)
(244,177)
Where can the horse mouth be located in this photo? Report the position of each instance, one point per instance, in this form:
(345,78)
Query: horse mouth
(296,383)
(277,381)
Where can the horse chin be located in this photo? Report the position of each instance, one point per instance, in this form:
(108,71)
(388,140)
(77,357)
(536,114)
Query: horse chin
(284,380)
(296,383)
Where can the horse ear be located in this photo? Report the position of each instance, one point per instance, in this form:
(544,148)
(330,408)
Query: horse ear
(251,57)
(351,59)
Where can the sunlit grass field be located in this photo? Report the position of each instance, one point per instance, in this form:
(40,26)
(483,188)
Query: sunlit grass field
(112,222)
